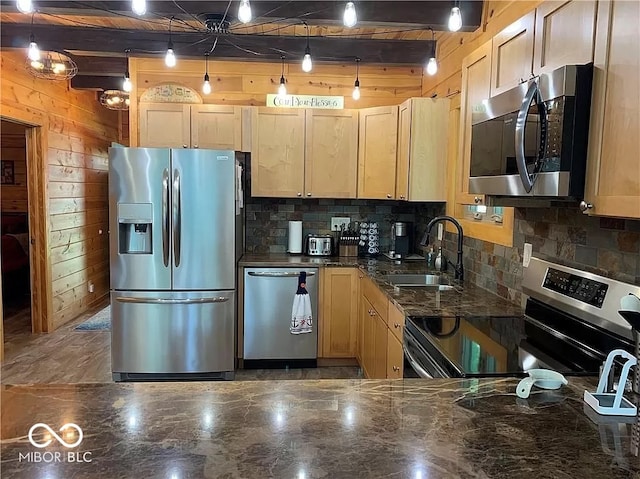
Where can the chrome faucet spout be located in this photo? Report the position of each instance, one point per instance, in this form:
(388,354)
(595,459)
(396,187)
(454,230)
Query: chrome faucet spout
(459,268)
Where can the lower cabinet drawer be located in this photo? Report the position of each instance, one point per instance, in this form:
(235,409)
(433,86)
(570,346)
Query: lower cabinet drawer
(395,356)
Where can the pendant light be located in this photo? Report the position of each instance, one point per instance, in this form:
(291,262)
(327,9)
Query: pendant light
(170,57)
(126,84)
(432,64)
(206,86)
(139,7)
(350,17)
(244,11)
(33,53)
(356,85)
(24,6)
(282,89)
(455,19)
(307,64)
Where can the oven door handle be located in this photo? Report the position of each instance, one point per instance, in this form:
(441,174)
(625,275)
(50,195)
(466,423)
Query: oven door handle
(532,95)
(414,364)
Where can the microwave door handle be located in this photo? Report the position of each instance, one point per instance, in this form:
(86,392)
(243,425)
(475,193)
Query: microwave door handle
(165,216)
(521,124)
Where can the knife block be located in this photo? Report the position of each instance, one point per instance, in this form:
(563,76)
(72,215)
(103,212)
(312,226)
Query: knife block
(348,250)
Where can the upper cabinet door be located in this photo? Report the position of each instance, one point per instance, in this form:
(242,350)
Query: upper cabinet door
(164,125)
(565,32)
(476,82)
(331,162)
(277,152)
(377,152)
(404,150)
(613,176)
(216,127)
(512,55)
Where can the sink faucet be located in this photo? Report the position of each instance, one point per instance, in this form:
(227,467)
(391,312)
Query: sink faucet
(459,268)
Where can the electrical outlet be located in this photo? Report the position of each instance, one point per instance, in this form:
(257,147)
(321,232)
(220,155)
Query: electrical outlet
(336,221)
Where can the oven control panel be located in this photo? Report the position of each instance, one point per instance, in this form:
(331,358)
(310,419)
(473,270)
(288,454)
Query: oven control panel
(576,287)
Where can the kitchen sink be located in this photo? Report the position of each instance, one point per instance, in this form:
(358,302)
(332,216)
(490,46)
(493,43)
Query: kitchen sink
(432,281)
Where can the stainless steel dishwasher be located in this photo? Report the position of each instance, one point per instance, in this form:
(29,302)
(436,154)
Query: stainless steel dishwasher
(268,298)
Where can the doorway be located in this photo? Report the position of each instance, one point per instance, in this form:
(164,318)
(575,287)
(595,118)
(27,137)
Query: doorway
(14,229)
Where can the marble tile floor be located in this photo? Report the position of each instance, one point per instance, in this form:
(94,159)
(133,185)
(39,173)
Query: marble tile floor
(73,357)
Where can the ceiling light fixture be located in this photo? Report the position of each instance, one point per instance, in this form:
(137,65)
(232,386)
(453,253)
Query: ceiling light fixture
(115,100)
(455,19)
(244,11)
(206,86)
(52,66)
(170,57)
(33,53)
(307,64)
(282,89)
(126,84)
(350,17)
(139,7)
(25,6)
(432,64)
(356,84)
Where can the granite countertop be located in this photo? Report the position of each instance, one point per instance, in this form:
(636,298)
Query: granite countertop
(465,300)
(314,429)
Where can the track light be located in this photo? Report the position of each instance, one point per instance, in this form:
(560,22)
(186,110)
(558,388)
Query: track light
(432,64)
(350,17)
(34,52)
(139,7)
(307,64)
(25,6)
(170,57)
(206,86)
(282,88)
(356,85)
(126,84)
(455,19)
(244,11)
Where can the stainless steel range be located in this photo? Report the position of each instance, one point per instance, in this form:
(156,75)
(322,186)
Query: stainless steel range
(570,324)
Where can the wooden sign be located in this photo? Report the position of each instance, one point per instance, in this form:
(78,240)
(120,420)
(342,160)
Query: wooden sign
(170,93)
(306,101)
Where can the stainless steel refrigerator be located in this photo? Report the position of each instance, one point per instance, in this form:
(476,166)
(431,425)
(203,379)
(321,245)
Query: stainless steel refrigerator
(175,237)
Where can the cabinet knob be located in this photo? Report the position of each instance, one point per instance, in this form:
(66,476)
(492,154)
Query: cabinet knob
(402,197)
(396,325)
(388,196)
(396,368)
(308,194)
(477,200)
(584,206)
(184,146)
(195,146)
(373,312)
(299,194)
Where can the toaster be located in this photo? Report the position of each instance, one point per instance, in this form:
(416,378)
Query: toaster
(319,245)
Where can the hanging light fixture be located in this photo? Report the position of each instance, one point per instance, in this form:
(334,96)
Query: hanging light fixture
(126,83)
(307,64)
(139,7)
(24,6)
(33,53)
(52,66)
(282,88)
(170,57)
(115,100)
(455,19)
(350,17)
(244,11)
(356,84)
(206,86)
(432,63)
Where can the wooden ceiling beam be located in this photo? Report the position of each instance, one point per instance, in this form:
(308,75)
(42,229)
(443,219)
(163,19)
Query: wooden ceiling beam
(92,82)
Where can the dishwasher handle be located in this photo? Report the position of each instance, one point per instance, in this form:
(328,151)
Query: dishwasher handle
(270,274)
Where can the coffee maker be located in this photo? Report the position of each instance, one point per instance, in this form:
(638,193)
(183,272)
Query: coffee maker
(400,239)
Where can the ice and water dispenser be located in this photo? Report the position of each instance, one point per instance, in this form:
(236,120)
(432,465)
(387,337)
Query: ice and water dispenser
(135,228)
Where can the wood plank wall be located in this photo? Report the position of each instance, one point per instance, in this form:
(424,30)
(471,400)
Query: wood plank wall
(78,132)
(454,47)
(13,147)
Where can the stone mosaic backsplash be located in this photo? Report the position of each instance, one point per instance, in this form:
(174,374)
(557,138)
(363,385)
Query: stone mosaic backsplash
(606,246)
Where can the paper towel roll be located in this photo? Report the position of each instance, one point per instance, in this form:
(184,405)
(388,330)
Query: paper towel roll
(295,237)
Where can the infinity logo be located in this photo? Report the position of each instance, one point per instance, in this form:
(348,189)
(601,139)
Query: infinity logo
(53,433)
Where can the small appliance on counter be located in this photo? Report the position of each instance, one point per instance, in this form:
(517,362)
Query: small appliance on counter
(319,245)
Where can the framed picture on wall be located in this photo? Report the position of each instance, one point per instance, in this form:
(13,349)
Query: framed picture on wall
(7,173)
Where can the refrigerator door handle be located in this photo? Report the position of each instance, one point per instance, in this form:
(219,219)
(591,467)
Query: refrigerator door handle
(128,299)
(269,274)
(177,216)
(165,216)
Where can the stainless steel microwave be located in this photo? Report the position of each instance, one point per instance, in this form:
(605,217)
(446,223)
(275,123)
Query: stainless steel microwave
(531,141)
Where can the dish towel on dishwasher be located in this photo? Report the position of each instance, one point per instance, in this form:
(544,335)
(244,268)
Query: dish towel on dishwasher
(301,320)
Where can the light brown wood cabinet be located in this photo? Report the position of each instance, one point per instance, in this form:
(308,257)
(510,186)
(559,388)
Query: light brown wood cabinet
(331,158)
(377,152)
(422,149)
(165,125)
(216,127)
(564,34)
(395,356)
(339,305)
(277,152)
(512,55)
(613,176)
(379,348)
